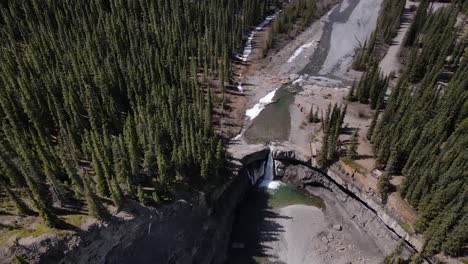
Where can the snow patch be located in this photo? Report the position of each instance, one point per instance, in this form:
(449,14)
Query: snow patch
(301,48)
(257,108)
(248,44)
(238,136)
(344,5)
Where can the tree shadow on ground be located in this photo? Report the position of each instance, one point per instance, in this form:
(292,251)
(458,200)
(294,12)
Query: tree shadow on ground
(363,157)
(254,229)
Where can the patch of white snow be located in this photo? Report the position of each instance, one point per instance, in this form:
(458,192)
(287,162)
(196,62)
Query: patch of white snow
(300,49)
(257,108)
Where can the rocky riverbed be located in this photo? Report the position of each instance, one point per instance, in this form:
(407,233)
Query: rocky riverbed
(327,224)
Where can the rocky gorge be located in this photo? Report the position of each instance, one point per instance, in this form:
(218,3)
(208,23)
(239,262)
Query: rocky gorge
(198,230)
(198,227)
(353,227)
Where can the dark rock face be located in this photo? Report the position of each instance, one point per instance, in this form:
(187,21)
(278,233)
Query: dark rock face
(300,175)
(364,211)
(198,230)
(195,231)
(284,154)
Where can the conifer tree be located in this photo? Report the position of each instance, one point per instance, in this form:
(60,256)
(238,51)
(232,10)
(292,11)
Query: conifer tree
(20,206)
(91,108)
(373,123)
(351,96)
(95,208)
(353,145)
(422,130)
(384,186)
(311,115)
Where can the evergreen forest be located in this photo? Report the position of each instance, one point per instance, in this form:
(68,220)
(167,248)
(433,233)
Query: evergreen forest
(420,130)
(108,98)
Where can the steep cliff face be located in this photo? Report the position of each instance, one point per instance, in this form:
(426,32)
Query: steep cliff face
(365,210)
(197,230)
(378,209)
(192,230)
(192,233)
(361,213)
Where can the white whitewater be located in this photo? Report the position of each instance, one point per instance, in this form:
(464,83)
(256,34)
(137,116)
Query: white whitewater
(239,87)
(257,108)
(248,44)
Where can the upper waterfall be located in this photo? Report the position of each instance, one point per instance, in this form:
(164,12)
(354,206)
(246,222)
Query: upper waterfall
(269,175)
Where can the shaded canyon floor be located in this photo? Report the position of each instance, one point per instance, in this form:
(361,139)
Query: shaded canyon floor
(290,225)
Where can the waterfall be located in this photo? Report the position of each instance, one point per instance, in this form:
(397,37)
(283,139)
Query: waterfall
(269,175)
(265,172)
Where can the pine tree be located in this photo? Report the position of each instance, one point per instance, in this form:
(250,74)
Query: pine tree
(95,207)
(353,145)
(20,206)
(351,96)
(116,192)
(392,163)
(311,116)
(384,186)
(456,239)
(373,123)
(101,181)
(149,163)
(141,195)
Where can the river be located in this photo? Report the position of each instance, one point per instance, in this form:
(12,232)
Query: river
(344,26)
(289,225)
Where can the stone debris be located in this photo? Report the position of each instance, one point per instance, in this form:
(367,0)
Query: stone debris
(337,227)
(324,239)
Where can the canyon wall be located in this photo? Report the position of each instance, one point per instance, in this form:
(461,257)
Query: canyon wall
(197,229)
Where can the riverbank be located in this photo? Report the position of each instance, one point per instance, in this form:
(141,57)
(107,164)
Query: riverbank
(319,236)
(261,75)
(307,226)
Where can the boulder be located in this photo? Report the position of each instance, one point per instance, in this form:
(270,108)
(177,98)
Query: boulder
(337,227)
(324,239)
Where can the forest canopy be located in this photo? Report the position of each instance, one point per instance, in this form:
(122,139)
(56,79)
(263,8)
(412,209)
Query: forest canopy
(423,133)
(105,97)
